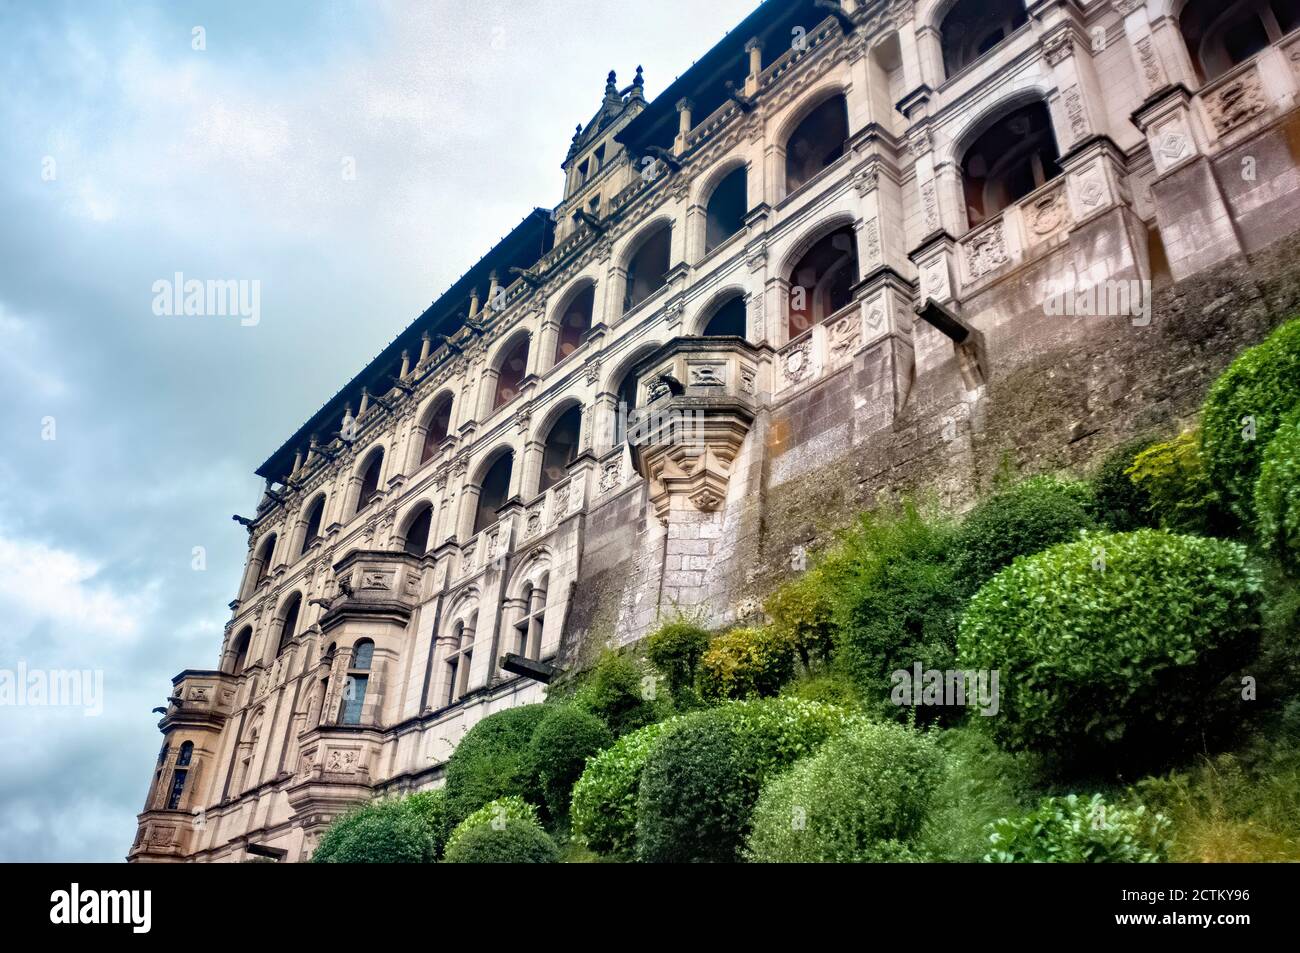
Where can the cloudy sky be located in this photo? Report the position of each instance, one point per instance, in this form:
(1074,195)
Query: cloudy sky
(129,438)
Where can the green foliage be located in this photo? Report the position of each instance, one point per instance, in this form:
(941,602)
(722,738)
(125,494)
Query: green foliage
(494,813)
(1277,494)
(861,798)
(1020,520)
(493,760)
(827,687)
(512,841)
(1172,476)
(614,691)
(705,773)
(1115,644)
(560,746)
(408,830)
(675,648)
(898,603)
(1118,503)
(605,797)
(802,610)
(1072,830)
(1263,384)
(746,663)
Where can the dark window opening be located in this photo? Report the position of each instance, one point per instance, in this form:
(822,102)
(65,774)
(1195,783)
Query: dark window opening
(575,322)
(417,533)
(314,517)
(1221,36)
(436,431)
(242,642)
(822,283)
(178,788)
(289,627)
(185,754)
(973,27)
(728,319)
(1287,14)
(510,376)
(370,481)
(561,448)
(1010,160)
(493,491)
(647,271)
(726,210)
(816,142)
(267,553)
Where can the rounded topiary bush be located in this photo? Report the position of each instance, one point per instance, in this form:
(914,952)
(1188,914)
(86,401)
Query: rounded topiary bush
(675,649)
(1277,494)
(605,797)
(511,841)
(861,798)
(1115,644)
(408,830)
(560,747)
(494,813)
(1072,830)
(1244,408)
(619,692)
(1021,520)
(494,760)
(747,663)
(1118,502)
(700,783)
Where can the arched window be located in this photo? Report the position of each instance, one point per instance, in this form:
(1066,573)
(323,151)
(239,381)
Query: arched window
(561,448)
(265,553)
(1011,159)
(358,680)
(510,375)
(532,619)
(289,623)
(178,779)
(647,269)
(242,641)
(575,322)
(973,27)
(460,656)
(311,534)
(370,480)
(417,532)
(436,429)
(1222,35)
(728,319)
(816,142)
(726,210)
(493,491)
(822,282)
(184,756)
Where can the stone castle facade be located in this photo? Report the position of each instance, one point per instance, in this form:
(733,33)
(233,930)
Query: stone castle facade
(857,249)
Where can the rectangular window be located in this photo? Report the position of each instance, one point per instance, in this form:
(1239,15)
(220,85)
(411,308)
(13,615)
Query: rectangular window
(354,697)
(178,788)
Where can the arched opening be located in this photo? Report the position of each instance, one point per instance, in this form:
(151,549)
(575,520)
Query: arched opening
(459,658)
(725,213)
(358,680)
(575,322)
(728,319)
(532,620)
(1220,36)
(1009,160)
(370,480)
(265,553)
(435,430)
(241,644)
(510,374)
(417,532)
(183,758)
(816,142)
(647,269)
(561,448)
(822,282)
(493,491)
(973,27)
(289,621)
(311,533)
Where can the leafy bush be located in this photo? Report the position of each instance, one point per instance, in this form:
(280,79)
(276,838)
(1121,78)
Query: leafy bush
(746,663)
(1071,830)
(511,842)
(1117,502)
(493,760)
(1263,383)
(1113,644)
(1172,477)
(827,687)
(494,813)
(700,783)
(408,830)
(803,610)
(861,798)
(1277,494)
(614,691)
(561,744)
(605,797)
(675,648)
(1023,519)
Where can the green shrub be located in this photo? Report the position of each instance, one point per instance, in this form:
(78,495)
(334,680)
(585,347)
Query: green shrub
(408,830)
(1277,494)
(861,798)
(512,841)
(675,648)
(746,663)
(561,744)
(1071,830)
(1023,519)
(1118,503)
(605,797)
(1172,476)
(803,611)
(615,691)
(493,760)
(1114,644)
(827,687)
(494,813)
(1263,383)
(898,604)
(700,783)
